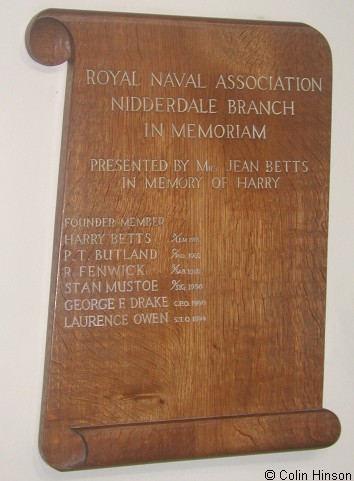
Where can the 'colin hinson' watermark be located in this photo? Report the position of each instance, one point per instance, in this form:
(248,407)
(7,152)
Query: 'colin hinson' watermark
(314,475)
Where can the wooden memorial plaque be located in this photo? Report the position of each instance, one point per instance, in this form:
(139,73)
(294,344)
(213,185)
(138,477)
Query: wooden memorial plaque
(187,310)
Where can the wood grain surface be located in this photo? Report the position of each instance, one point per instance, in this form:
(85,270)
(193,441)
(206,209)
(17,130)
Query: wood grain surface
(187,310)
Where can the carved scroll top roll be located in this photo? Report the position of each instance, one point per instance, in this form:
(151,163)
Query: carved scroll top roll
(48,41)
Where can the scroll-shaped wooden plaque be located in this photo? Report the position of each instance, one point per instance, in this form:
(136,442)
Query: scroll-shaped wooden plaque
(187,311)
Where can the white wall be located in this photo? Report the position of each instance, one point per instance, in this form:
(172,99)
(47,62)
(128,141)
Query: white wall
(31,113)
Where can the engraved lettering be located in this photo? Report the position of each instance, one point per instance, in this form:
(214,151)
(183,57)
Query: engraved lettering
(89,304)
(243,166)
(173,79)
(164,104)
(89,222)
(111,270)
(219,131)
(128,165)
(124,254)
(151,318)
(146,302)
(275,107)
(83,239)
(98,320)
(136,285)
(142,222)
(104,77)
(176,183)
(257,182)
(263,82)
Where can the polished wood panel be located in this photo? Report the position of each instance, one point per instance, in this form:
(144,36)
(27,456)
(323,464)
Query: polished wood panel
(187,310)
